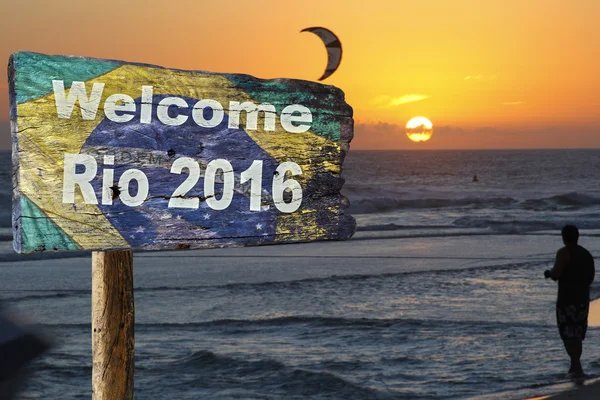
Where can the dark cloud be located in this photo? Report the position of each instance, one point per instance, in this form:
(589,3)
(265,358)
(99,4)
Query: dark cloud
(5,142)
(386,136)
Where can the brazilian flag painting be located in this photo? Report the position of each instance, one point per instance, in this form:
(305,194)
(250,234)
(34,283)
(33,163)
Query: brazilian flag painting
(112,155)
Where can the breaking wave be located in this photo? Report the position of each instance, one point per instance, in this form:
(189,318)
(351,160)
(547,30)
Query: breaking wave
(367,204)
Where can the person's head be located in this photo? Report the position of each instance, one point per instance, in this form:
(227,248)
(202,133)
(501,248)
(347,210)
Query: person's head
(570,234)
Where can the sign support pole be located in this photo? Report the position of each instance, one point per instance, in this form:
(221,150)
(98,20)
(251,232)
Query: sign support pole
(113,318)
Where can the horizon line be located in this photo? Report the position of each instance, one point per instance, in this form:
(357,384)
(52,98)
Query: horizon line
(461,149)
(483,149)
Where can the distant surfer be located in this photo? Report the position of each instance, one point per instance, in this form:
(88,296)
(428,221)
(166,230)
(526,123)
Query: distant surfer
(574,270)
(475,178)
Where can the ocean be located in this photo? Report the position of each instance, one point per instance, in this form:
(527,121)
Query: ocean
(439,295)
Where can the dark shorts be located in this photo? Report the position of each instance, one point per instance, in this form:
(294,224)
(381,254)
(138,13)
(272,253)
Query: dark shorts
(572,320)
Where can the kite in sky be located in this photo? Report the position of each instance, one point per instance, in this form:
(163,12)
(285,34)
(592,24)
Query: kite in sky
(334,49)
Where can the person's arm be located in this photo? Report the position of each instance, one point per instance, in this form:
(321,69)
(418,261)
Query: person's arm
(592,270)
(562,260)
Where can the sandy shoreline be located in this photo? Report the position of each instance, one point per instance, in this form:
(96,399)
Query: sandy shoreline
(586,391)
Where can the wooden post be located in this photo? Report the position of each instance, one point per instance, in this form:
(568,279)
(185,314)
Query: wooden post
(112,325)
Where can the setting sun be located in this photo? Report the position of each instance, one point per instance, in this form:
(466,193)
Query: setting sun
(419,129)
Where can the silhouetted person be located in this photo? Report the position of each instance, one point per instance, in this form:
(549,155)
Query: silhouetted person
(574,270)
(475,178)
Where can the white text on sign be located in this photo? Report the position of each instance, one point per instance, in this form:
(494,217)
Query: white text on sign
(121,108)
(219,169)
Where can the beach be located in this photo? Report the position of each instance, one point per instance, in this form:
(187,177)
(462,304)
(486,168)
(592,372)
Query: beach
(439,295)
(253,323)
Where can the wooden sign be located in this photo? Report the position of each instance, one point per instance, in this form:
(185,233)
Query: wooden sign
(113,155)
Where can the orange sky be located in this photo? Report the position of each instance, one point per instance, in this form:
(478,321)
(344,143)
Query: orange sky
(489,74)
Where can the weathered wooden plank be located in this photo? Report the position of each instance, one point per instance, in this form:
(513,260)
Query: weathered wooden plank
(113,321)
(101,149)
